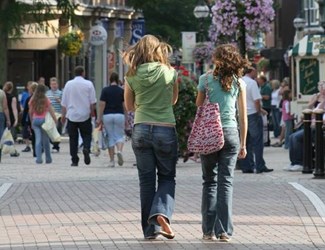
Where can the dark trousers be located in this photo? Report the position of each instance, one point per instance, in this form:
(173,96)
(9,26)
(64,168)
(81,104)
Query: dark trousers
(85,129)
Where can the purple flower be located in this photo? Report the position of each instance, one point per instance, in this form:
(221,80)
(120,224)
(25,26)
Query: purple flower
(256,15)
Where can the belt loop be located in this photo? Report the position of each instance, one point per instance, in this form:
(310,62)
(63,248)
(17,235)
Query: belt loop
(151,128)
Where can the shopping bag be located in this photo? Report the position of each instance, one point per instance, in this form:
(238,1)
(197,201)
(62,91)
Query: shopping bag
(206,136)
(95,141)
(49,127)
(104,139)
(7,142)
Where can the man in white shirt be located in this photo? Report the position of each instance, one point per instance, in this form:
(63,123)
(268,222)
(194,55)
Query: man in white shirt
(254,144)
(78,103)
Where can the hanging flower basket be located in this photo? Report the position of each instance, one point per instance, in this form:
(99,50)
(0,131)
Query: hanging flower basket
(203,51)
(70,43)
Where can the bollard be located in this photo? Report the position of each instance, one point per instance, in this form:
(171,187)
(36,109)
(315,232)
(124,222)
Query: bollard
(308,150)
(319,145)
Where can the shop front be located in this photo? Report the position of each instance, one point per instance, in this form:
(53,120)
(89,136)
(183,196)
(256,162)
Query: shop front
(307,69)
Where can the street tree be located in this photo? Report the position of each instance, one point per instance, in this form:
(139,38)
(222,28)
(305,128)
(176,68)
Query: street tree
(16,13)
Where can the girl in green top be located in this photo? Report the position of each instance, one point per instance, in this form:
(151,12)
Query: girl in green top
(150,91)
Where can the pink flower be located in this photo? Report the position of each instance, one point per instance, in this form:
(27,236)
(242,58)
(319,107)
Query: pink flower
(257,16)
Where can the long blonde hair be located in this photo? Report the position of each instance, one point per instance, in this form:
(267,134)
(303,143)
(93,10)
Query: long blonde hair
(39,99)
(147,49)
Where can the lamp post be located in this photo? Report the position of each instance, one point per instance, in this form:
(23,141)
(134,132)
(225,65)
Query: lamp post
(200,12)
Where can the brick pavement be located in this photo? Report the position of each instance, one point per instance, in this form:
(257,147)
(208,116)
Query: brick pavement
(94,207)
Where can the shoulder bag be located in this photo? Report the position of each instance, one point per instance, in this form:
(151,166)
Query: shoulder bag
(206,136)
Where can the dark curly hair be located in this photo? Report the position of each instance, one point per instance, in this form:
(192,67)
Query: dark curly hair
(229,65)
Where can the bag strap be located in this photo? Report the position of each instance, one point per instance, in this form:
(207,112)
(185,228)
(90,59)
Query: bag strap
(206,88)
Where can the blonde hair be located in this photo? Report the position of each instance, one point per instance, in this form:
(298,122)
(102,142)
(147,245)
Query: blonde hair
(275,84)
(33,86)
(8,87)
(147,49)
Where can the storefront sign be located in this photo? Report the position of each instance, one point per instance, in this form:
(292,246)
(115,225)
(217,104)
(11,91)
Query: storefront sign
(309,76)
(138,31)
(98,35)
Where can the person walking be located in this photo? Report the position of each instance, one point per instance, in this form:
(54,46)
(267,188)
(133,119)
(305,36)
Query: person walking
(151,91)
(78,103)
(111,116)
(55,96)
(12,104)
(226,89)
(39,105)
(255,146)
(4,113)
(28,131)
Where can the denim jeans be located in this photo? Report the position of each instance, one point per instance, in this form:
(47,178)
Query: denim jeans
(254,144)
(276,120)
(85,129)
(288,132)
(42,141)
(155,149)
(114,125)
(296,147)
(2,123)
(218,174)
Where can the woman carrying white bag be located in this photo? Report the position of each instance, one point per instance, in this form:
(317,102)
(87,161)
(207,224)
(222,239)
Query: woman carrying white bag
(39,106)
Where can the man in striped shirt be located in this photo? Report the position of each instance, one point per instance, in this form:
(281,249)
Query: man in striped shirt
(55,96)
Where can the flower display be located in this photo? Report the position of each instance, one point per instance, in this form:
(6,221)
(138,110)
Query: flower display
(185,107)
(228,17)
(203,51)
(70,43)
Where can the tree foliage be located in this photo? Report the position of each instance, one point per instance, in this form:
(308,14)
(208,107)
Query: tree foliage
(168,18)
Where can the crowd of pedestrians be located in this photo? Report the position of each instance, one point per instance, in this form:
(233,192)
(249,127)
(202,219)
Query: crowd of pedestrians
(143,107)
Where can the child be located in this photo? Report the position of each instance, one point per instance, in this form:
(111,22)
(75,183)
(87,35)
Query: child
(287,117)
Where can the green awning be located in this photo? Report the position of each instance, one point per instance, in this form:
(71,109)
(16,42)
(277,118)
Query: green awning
(310,45)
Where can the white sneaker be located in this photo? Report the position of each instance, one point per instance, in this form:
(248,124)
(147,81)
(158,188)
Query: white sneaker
(111,164)
(120,160)
(287,168)
(296,168)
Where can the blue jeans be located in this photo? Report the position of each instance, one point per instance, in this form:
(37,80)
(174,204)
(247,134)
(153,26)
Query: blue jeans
(254,144)
(218,174)
(296,147)
(288,132)
(42,141)
(276,120)
(155,149)
(2,123)
(114,125)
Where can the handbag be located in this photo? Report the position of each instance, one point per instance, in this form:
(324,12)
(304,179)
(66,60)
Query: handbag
(7,142)
(49,127)
(206,135)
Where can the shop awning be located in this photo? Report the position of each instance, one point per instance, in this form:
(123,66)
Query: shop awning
(310,45)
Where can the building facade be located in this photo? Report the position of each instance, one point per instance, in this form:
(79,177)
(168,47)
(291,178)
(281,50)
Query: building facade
(37,53)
